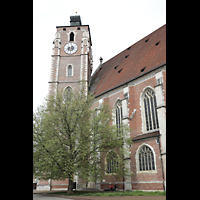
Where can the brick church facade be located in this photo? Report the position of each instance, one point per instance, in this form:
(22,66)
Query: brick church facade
(134,84)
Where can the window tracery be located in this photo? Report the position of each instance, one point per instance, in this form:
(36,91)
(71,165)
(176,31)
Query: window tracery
(150,111)
(111,162)
(68,93)
(146,159)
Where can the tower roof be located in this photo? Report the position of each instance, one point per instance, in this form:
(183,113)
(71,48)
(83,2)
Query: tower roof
(75,20)
(142,57)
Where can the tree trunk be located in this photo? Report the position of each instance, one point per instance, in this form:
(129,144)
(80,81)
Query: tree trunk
(70,186)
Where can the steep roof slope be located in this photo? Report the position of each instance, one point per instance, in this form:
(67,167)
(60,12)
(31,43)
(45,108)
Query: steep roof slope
(140,58)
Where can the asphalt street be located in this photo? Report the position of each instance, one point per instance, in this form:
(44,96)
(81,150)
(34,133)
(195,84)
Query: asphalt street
(41,197)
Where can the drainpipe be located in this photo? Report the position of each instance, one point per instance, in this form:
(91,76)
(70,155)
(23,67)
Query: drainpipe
(161,163)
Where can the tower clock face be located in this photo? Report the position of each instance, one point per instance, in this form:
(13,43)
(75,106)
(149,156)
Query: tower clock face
(70,48)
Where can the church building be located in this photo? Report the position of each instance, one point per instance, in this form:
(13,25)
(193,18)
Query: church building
(134,84)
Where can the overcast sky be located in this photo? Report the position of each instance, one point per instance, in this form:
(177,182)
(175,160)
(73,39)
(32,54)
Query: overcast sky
(114,26)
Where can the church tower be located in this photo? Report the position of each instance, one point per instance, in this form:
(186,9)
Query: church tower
(71,57)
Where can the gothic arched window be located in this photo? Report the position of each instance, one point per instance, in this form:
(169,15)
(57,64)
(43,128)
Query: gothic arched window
(118,116)
(150,112)
(146,159)
(69,70)
(68,93)
(112,162)
(71,36)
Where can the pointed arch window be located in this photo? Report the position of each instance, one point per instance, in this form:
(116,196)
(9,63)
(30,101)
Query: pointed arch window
(71,36)
(118,117)
(146,159)
(150,111)
(112,162)
(68,93)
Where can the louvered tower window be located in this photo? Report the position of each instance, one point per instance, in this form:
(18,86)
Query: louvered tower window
(71,36)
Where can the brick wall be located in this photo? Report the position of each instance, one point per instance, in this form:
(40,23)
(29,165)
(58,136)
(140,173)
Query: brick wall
(147,186)
(140,180)
(55,184)
(134,103)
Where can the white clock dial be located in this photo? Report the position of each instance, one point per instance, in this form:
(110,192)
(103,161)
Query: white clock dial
(70,48)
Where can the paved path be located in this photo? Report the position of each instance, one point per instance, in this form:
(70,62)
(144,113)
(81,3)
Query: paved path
(60,197)
(122,198)
(44,197)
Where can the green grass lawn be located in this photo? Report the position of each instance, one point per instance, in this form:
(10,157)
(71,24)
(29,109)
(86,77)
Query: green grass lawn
(118,193)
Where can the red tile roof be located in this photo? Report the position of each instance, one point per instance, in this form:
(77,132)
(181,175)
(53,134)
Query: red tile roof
(140,58)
